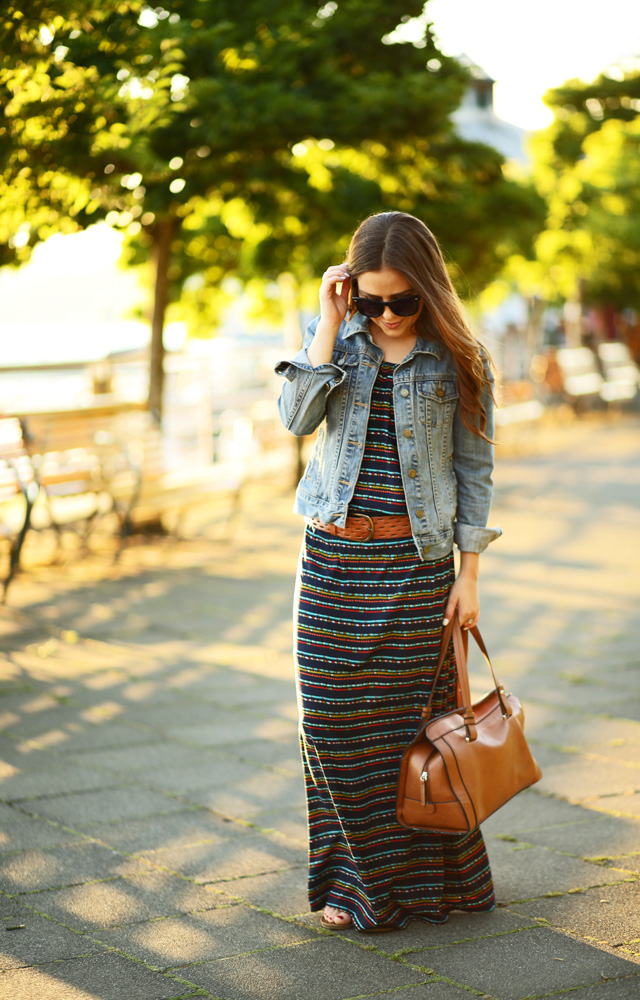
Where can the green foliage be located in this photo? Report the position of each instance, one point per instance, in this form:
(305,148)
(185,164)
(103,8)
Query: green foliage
(587,165)
(264,130)
(582,109)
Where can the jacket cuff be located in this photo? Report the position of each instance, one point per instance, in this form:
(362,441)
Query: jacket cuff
(471,538)
(332,374)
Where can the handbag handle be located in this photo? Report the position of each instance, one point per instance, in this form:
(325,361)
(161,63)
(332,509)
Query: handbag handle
(460,647)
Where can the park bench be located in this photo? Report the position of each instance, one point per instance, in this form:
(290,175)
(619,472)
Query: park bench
(148,489)
(85,463)
(610,377)
(75,455)
(580,375)
(621,374)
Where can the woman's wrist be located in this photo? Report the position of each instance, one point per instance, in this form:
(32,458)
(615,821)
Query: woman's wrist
(320,350)
(469,565)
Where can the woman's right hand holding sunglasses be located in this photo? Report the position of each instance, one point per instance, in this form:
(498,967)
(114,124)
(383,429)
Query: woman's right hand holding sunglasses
(334,303)
(333,309)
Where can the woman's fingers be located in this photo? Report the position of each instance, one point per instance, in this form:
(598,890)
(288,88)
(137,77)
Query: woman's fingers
(450,609)
(334,276)
(468,615)
(334,304)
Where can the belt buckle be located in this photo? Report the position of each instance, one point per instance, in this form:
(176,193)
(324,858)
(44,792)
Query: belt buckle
(371,529)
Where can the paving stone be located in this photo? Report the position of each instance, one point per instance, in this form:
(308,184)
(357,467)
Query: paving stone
(17,830)
(537,962)
(291,822)
(84,809)
(149,756)
(619,805)
(39,940)
(593,837)
(283,754)
(233,689)
(202,937)
(182,713)
(630,862)
(107,976)
(339,970)
(530,810)
(619,989)
(524,873)
(609,914)
(577,777)
(251,796)
(420,935)
(97,905)
(552,691)
(240,851)
(66,730)
(226,732)
(283,892)
(624,708)
(47,868)
(203,778)
(192,825)
(59,777)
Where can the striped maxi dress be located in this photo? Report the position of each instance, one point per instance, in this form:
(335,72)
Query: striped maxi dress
(368,623)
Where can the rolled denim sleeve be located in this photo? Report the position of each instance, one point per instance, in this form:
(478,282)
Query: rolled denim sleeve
(302,403)
(473,466)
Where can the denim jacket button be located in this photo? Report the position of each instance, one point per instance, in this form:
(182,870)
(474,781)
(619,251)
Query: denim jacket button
(407,433)
(426,550)
(419,512)
(412,473)
(404,392)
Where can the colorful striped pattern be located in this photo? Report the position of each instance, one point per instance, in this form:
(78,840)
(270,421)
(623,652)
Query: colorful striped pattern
(368,622)
(379,488)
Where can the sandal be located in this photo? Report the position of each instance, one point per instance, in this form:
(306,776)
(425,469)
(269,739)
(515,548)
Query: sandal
(334,925)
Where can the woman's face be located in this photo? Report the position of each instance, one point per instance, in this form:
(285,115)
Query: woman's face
(387,285)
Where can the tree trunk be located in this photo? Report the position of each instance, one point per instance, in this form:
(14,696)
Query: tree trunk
(164,233)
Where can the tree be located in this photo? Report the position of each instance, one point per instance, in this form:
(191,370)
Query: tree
(247,137)
(587,165)
(581,109)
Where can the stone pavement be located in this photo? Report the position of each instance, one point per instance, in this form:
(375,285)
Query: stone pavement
(152,825)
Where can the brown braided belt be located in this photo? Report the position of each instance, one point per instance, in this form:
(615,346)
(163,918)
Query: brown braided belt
(362,528)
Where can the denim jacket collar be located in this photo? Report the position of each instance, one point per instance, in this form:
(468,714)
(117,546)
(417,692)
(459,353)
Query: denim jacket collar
(360,324)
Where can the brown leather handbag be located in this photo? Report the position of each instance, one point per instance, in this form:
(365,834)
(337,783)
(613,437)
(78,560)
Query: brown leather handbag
(462,766)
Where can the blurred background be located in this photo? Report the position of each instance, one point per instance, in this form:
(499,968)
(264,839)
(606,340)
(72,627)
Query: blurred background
(173,181)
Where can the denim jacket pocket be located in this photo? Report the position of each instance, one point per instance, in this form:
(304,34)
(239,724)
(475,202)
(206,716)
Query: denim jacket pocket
(437,398)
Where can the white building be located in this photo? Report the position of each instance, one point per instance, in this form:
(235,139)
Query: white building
(476,121)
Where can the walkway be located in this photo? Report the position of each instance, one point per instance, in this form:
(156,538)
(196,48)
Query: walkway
(152,825)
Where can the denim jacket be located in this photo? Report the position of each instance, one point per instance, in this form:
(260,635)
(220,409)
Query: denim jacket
(446,469)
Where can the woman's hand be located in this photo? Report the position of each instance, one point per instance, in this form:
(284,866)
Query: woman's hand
(333,305)
(463,595)
(333,309)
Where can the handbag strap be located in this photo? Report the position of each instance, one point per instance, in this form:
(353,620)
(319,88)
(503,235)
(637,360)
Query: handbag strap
(460,647)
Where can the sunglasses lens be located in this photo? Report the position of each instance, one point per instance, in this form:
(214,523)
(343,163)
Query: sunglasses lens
(374,307)
(405,307)
(369,307)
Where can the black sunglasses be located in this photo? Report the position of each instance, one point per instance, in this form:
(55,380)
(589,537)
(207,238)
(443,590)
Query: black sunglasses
(408,305)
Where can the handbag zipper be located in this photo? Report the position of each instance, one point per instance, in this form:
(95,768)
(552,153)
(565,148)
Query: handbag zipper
(424,777)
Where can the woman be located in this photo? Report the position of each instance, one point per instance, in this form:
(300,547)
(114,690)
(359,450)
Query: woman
(401,392)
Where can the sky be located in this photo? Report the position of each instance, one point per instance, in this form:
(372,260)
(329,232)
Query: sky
(529,47)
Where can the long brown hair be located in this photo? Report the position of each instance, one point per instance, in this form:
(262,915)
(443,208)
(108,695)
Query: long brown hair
(403,243)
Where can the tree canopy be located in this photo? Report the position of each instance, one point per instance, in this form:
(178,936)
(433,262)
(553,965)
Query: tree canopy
(247,139)
(587,165)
